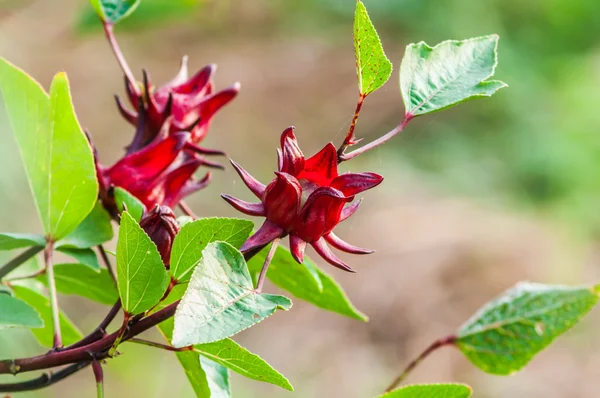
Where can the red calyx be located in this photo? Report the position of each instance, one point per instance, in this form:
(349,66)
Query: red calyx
(161,226)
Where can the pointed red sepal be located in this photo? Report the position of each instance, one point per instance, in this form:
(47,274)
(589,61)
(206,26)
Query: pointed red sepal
(127,114)
(344,246)
(194,186)
(251,209)
(174,181)
(211,104)
(201,150)
(324,251)
(349,210)
(352,183)
(252,183)
(267,233)
(322,167)
(320,214)
(297,247)
(131,94)
(198,84)
(292,157)
(212,165)
(279,159)
(282,199)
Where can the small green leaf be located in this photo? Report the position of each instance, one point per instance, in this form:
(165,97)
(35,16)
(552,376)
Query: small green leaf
(372,66)
(505,334)
(141,273)
(235,357)
(84,256)
(10,241)
(217,377)
(307,282)
(80,280)
(194,236)
(70,334)
(111,11)
(431,391)
(94,230)
(220,300)
(435,78)
(135,208)
(17,313)
(57,156)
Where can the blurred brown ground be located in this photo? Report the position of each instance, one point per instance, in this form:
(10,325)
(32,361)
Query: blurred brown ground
(438,258)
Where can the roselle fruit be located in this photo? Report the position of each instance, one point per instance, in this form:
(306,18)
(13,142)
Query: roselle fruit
(161,226)
(306,200)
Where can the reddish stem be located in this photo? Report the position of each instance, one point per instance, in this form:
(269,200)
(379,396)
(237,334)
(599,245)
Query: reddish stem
(108,30)
(159,345)
(107,264)
(265,267)
(350,139)
(187,210)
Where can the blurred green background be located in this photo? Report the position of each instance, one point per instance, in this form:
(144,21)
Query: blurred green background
(475,199)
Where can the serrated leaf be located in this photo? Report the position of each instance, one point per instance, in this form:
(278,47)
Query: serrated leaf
(57,156)
(435,78)
(220,300)
(94,230)
(84,256)
(124,199)
(431,391)
(112,11)
(505,334)
(194,236)
(217,377)
(78,279)
(141,274)
(307,282)
(17,313)
(10,241)
(372,65)
(70,334)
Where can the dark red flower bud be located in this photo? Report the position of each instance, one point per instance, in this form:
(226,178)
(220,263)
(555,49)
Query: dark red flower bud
(306,200)
(161,226)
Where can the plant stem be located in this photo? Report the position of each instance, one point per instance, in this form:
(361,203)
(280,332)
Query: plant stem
(48,252)
(414,363)
(265,267)
(30,276)
(120,335)
(99,375)
(100,331)
(381,140)
(107,264)
(159,345)
(45,380)
(350,139)
(187,210)
(108,31)
(20,259)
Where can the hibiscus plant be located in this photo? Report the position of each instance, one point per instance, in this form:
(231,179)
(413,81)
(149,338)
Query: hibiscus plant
(198,280)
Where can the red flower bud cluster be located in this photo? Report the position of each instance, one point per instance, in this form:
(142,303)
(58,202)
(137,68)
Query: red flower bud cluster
(171,121)
(306,200)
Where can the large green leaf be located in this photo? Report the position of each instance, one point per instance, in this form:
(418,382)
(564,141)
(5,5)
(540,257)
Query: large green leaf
(217,377)
(196,235)
(220,300)
(94,230)
(505,334)
(141,274)
(307,282)
(70,334)
(84,256)
(10,241)
(80,280)
(17,313)
(57,156)
(431,391)
(134,206)
(434,78)
(372,66)
(111,11)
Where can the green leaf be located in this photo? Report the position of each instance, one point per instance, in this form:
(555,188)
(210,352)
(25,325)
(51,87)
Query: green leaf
(307,282)
(505,334)
(17,313)
(111,11)
(94,230)
(10,241)
(57,156)
(372,66)
(431,391)
(217,377)
(194,236)
(220,300)
(135,208)
(84,256)
(141,273)
(435,78)
(70,334)
(235,357)
(78,279)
